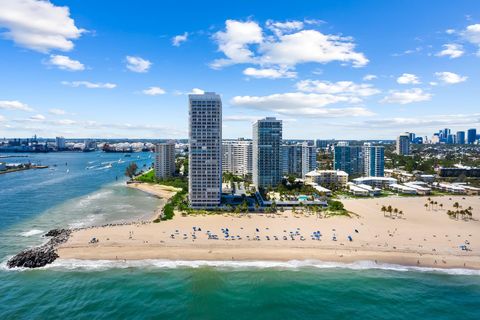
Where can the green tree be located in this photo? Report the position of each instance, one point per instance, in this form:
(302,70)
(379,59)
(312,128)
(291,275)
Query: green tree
(131,170)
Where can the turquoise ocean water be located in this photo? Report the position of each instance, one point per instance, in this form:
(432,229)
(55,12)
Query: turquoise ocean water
(82,189)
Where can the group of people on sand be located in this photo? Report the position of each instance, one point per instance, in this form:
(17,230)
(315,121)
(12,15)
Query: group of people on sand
(257,235)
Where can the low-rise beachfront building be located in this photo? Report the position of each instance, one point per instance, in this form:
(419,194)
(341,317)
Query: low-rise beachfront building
(429,178)
(472,191)
(421,187)
(363,190)
(401,175)
(327,178)
(379,182)
(448,187)
(403,189)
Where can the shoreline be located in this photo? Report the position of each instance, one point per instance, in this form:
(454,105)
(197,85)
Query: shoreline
(420,238)
(163,192)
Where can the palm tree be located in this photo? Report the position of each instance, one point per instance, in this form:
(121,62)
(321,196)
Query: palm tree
(441,206)
(456,205)
(395,211)
(384,210)
(426,206)
(390,209)
(400,213)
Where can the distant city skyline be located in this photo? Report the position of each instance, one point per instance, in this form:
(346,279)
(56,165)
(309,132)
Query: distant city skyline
(365,70)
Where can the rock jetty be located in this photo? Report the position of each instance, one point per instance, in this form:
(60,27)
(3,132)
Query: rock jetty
(40,256)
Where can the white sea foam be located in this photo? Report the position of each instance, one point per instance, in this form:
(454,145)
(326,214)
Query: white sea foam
(100,265)
(30,233)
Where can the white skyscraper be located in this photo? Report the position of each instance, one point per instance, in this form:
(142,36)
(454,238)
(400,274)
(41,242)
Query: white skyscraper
(205,150)
(374,160)
(403,144)
(60,142)
(165,160)
(237,157)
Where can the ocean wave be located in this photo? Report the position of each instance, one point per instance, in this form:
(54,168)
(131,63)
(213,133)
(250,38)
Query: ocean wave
(30,233)
(101,265)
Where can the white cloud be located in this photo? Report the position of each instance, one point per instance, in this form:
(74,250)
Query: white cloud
(37,117)
(269,73)
(178,39)
(450,31)
(137,64)
(451,50)
(234,41)
(406,96)
(14,105)
(369,77)
(347,88)
(301,104)
(282,49)
(280,28)
(408,78)
(90,85)
(2,118)
(65,63)
(38,25)
(197,91)
(57,112)
(153,91)
(450,77)
(472,34)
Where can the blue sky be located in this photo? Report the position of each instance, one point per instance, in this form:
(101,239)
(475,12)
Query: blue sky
(329,69)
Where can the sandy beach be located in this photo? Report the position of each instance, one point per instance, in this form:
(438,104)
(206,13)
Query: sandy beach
(161,191)
(420,237)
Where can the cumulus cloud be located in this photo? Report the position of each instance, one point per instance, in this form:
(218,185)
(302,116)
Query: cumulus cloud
(472,34)
(14,105)
(451,50)
(287,45)
(269,73)
(450,77)
(178,39)
(406,96)
(65,63)
(347,88)
(153,91)
(137,64)
(57,112)
(38,25)
(301,104)
(408,78)
(280,28)
(197,91)
(369,77)
(90,85)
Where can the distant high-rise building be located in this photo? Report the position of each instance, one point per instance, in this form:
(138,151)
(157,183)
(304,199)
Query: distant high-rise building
(165,160)
(60,142)
(403,144)
(460,137)
(450,139)
(322,144)
(348,158)
(205,150)
(374,160)
(298,159)
(237,157)
(267,152)
(412,137)
(471,136)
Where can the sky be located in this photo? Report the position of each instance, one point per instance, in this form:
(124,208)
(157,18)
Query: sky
(329,69)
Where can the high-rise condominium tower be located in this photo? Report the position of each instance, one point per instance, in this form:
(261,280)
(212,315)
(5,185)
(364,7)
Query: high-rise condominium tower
(403,144)
(460,137)
(165,160)
(267,152)
(237,157)
(205,151)
(374,160)
(348,158)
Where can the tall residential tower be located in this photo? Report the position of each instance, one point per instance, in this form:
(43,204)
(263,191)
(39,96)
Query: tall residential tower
(205,151)
(267,152)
